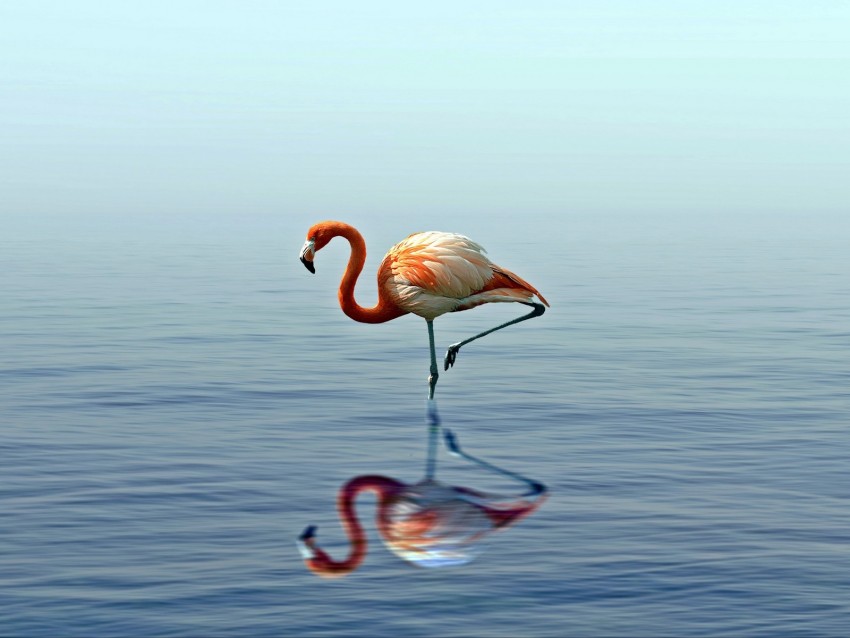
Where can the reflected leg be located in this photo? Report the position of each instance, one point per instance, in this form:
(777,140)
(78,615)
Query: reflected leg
(535,487)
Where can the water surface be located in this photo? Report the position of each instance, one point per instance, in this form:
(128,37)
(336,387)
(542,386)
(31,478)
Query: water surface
(180,397)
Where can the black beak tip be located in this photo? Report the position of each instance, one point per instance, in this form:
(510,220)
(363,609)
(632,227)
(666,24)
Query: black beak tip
(308,533)
(308,265)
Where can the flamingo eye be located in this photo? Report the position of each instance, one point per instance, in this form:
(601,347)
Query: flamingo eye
(319,240)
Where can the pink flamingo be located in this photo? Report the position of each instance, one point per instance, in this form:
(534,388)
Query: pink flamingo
(428,274)
(428,524)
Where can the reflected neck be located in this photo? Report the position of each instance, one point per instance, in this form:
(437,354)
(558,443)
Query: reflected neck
(321,563)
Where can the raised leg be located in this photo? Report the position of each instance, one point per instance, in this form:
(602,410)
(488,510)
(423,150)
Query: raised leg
(451,355)
(534,487)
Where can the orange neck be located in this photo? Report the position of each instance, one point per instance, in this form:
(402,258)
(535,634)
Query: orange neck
(385,309)
(321,563)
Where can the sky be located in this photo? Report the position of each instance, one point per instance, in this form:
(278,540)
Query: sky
(329,109)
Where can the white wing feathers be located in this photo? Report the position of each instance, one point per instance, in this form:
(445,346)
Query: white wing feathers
(432,272)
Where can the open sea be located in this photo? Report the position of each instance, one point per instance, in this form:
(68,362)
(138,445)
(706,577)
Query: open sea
(179,398)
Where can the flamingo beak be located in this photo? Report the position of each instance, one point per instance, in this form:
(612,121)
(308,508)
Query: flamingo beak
(307,255)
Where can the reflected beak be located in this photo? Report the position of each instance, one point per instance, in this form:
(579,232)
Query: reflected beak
(304,543)
(307,255)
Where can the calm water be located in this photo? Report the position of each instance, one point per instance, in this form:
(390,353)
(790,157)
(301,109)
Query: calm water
(180,397)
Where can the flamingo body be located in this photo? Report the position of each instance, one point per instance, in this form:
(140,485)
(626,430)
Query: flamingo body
(432,273)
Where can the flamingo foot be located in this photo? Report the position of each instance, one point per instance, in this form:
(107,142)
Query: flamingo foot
(451,355)
(432,384)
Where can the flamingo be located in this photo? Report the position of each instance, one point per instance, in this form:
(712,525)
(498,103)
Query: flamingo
(428,524)
(427,274)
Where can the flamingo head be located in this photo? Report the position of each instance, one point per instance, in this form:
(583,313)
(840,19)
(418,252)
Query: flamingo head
(317,238)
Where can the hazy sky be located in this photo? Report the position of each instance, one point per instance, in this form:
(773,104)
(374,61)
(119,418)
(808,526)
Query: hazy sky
(335,108)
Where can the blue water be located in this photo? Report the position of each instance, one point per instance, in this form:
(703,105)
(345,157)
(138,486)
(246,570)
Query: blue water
(180,398)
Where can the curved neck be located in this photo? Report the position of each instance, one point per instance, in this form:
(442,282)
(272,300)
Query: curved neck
(321,563)
(385,309)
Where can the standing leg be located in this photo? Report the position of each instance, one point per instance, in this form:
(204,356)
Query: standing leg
(433,417)
(435,374)
(451,355)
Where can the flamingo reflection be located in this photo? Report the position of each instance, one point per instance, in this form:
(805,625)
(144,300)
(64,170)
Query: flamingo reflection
(428,524)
